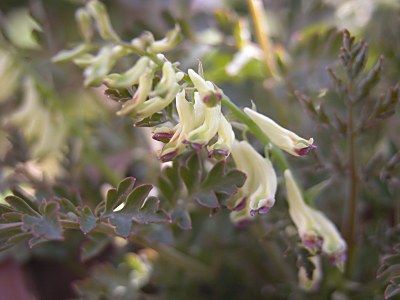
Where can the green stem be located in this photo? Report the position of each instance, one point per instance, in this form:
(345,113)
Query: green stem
(254,129)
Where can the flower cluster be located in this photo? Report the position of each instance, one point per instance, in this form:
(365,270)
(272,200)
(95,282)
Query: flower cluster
(200,121)
(316,231)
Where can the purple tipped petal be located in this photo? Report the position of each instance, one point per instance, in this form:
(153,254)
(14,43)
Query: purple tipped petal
(241,205)
(338,259)
(197,146)
(253,212)
(218,154)
(306,150)
(212,99)
(313,242)
(162,137)
(264,210)
(169,156)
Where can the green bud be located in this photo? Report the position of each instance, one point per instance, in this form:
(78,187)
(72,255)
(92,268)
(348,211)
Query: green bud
(171,40)
(66,55)
(85,24)
(130,77)
(100,15)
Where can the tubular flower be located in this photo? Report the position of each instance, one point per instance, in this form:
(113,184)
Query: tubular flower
(226,137)
(163,94)
(209,93)
(316,231)
(176,135)
(281,137)
(130,77)
(258,193)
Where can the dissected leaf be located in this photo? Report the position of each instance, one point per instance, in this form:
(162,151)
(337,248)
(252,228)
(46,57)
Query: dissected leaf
(44,227)
(22,205)
(87,220)
(181,217)
(138,209)
(116,196)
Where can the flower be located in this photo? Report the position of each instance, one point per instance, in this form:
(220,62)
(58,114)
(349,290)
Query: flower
(226,137)
(257,195)
(316,231)
(281,137)
(209,93)
(177,135)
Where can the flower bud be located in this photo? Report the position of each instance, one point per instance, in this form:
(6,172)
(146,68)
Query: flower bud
(66,55)
(156,103)
(143,41)
(316,231)
(141,94)
(209,94)
(128,78)
(100,15)
(281,137)
(84,21)
(186,115)
(102,64)
(311,284)
(172,39)
(168,80)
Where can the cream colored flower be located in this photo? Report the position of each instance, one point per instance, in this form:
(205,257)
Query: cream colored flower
(281,137)
(257,195)
(209,93)
(316,231)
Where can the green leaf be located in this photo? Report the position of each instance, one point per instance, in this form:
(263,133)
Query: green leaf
(138,209)
(5,209)
(95,244)
(118,195)
(182,218)
(44,227)
(87,220)
(393,288)
(218,181)
(154,120)
(22,205)
(191,172)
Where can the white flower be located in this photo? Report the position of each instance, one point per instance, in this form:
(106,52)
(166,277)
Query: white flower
(209,93)
(281,137)
(257,195)
(316,231)
(226,137)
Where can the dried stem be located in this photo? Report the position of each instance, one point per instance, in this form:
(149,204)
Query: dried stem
(351,211)
(256,10)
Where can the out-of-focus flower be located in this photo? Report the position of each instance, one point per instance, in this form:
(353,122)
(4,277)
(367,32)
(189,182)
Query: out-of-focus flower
(129,77)
(311,284)
(209,93)
(170,41)
(281,137)
(43,129)
(84,21)
(316,231)
(9,74)
(100,15)
(257,195)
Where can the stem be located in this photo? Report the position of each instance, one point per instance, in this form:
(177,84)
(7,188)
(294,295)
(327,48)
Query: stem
(254,129)
(256,10)
(351,218)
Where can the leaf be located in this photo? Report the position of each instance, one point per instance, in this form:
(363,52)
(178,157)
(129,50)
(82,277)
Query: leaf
(95,244)
(393,288)
(138,209)
(87,220)
(44,227)
(22,205)
(154,120)
(191,172)
(118,195)
(218,181)
(182,218)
